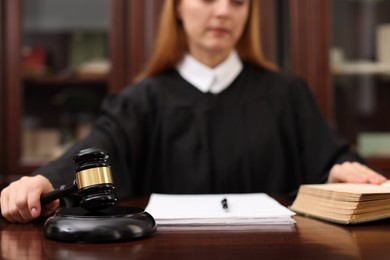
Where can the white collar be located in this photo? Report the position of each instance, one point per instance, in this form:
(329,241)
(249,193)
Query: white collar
(207,79)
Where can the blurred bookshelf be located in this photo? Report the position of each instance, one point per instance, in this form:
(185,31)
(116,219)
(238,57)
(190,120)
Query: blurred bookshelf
(360,67)
(61,58)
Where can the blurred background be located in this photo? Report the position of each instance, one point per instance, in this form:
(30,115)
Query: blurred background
(60,58)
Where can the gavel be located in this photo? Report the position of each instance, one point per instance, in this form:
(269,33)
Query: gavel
(93,181)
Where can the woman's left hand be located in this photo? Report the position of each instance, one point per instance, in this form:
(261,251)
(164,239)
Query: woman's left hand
(354,172)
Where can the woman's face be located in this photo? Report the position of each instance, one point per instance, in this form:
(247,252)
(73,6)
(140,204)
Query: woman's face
(213,27)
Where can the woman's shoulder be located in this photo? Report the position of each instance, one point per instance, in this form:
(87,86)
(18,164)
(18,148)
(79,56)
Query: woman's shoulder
(151,92)
(152,84)
(275,82)
(270,76)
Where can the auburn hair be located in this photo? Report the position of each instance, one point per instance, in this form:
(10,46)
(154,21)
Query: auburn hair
(170,44)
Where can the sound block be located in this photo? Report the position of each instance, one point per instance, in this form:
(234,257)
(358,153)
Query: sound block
(113,224)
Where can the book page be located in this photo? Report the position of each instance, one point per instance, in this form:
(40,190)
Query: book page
(350,188)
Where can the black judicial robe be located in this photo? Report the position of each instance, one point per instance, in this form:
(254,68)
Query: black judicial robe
(264,133)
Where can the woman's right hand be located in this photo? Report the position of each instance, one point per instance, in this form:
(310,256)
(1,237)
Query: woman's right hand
(20,201)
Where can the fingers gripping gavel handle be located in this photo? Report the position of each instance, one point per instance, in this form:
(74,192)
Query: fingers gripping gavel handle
(63,191)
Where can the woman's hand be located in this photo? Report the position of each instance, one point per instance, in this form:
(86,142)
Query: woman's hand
(20,201)
(354,172)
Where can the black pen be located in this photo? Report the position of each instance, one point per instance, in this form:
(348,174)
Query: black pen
(225,205)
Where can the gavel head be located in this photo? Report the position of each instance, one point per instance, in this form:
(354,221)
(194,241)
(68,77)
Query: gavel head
(93,179)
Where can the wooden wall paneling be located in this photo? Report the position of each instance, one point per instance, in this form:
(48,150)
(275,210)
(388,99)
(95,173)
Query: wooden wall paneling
(117,38)
(134,39)
(309,32)
(2,81)
(152,13)
(13,102)
(142,21)
(268,29)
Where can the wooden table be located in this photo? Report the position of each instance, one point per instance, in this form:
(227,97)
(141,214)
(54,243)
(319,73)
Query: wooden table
(308,239)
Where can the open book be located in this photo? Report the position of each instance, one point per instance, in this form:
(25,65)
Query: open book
(346,203)
(218,209)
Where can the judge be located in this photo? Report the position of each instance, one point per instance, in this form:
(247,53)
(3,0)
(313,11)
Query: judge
(208,115)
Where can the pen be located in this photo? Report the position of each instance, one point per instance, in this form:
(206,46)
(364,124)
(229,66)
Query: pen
(225,205)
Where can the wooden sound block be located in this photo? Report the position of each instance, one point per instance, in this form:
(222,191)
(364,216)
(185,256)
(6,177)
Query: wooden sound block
(114,224)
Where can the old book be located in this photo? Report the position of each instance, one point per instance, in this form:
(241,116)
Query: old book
(383,42)
(34,61)
(345,203)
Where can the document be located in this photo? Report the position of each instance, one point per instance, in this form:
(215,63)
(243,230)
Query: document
(218,209)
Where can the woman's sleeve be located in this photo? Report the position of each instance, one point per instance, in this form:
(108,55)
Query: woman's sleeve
(117,130)
(320,147)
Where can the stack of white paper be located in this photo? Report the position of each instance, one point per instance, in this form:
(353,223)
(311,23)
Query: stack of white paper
(243,209)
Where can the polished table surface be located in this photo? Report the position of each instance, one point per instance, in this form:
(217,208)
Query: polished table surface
(307,239)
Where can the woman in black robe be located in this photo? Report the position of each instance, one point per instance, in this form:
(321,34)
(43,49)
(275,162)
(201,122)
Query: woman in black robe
(208,115)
